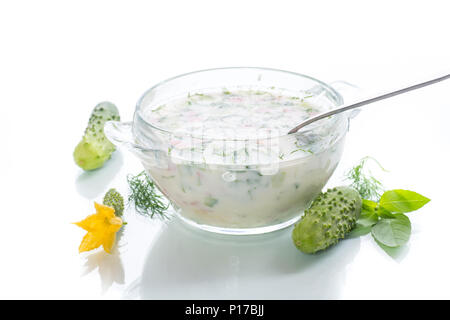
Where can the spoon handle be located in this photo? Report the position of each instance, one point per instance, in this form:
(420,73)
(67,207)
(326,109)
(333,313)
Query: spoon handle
(364,102)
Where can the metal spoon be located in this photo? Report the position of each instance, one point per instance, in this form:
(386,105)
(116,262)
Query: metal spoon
(362,103)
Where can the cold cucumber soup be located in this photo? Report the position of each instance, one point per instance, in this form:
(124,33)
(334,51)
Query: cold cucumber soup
(230,161)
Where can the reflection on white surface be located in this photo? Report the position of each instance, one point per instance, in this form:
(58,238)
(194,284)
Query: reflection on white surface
(90,184)
(109,265)
(188,264)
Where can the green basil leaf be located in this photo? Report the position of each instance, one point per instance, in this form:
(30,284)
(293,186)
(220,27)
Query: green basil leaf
(393,232)
(383,213)
(402,201)
(369,205)
(359,230)
(367,219)
(364,224)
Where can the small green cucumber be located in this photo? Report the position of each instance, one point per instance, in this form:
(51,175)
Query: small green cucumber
(94,148)
(114,200)
(331,216)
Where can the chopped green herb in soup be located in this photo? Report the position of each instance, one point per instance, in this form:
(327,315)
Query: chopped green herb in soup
(230,162)
(252,109)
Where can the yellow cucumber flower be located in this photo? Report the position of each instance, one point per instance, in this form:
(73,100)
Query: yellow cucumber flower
(101,227)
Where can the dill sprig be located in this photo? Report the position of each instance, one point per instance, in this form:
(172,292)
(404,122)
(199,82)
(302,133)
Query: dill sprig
(363,181)
(143,194)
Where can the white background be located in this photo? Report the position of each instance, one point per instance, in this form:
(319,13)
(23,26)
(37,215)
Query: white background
(60,58)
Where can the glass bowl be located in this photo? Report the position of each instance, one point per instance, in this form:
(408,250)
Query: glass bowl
(252,187)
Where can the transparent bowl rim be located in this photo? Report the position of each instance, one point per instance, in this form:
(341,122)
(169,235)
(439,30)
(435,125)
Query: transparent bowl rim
(338,97)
